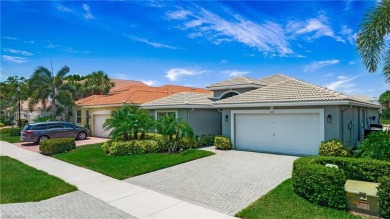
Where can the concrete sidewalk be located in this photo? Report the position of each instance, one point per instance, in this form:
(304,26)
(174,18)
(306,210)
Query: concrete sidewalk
(134,200)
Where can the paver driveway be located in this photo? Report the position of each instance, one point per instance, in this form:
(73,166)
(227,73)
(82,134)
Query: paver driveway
(227,182)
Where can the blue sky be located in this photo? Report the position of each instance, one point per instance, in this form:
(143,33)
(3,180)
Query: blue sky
(190,43)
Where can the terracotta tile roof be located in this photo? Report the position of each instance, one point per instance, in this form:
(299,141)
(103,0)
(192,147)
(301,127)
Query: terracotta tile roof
(39,105)
(182,99)
(122,85)
(137,95)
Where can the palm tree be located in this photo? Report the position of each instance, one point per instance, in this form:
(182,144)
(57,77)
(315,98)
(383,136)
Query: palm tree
(371,38)
(98,83)
(168,125)
(128,121)
(44,85)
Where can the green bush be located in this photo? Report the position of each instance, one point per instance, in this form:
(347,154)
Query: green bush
(5,130)
(376,146)
(310,177)
(187,143)
(384,196)
(222,143)
(1,124)
(205,140)
(56,145)
(333,148)
(319,184)
(15,131)
(114,147)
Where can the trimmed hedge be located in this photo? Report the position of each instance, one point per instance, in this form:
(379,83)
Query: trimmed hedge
(205,140)
(1,124)
(323,185)
(15,131)
(5,130)
(333,148)
(132,147)
(56,145)
(222,143)
(384,196)
(319,184)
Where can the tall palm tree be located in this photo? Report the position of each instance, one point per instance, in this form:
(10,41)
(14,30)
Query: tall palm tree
(371,38)
(98,83)
(44,85)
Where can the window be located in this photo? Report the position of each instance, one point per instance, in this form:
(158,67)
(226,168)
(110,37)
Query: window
(78,117)
(164,113)
(39,127)
(68,125)
(54,126)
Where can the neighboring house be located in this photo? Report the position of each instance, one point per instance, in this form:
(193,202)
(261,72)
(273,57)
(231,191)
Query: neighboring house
(95,109)
(194,108)
(26,114)
(276,114)
(289,116)
(123,85)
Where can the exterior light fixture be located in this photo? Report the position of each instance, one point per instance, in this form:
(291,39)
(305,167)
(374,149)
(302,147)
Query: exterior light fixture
(329,119)
(226,118)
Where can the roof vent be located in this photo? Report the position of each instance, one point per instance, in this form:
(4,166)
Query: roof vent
(186,102)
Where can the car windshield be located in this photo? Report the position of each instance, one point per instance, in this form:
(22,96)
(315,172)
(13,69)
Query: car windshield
(26,127)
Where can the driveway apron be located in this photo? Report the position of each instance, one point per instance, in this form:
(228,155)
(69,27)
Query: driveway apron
(226,182)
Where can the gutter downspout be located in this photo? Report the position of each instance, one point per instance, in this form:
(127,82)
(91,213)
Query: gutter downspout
(342,122)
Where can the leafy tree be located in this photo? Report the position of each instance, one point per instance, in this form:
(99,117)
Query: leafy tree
(9,97)
(128,121)
(384,99)
(98,83)
(44,85)
(371,38)
(42,119)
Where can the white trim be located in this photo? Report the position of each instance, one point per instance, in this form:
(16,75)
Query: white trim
(178,106)
(235,86)
(226,92)
(276,111)
(308,103)
(176,111)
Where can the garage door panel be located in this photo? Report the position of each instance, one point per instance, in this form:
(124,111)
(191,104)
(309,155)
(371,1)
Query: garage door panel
(292,133)
(98,130)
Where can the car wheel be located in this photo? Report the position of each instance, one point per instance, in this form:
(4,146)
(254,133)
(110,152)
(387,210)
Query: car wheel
(82,135)
(42,138)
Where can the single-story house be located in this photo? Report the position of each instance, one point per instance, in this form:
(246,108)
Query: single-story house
(277,114)
(25,114)
(95,109)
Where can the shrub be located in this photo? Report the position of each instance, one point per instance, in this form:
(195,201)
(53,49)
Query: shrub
(223,143)
(319,184)
(333,148)
(114,147)
(310,177)
(15,131)
(376,146)
(186,143)
(1,124)
(205,140)
(56,145)
(5,130)
(384,197)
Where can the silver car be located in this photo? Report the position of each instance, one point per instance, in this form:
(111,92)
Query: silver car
(37,132)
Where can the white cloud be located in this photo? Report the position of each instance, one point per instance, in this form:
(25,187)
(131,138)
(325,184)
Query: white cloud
(328,75)
(150,82)
(154,44)
(343,84)
(320,64)
(18,52)
(249,54)
(352,62)
(268,38)
(234,73)
(71,50)
(88,15)
(174,74)
(223,61)
(348,34)
(312,28)
(63,8)
(29,42)
(9,38)
(180,14)
(52,46)
(14,59)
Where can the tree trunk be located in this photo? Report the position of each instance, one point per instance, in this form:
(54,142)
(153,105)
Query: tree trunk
(136,134)
(142,135)
(53,105)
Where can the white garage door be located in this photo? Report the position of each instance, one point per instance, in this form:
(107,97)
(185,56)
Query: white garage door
(285,133)
(98,130)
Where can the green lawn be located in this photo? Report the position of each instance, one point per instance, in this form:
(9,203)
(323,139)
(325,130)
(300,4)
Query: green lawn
(22,183)
(10,139)
(282,202)
(123,167)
